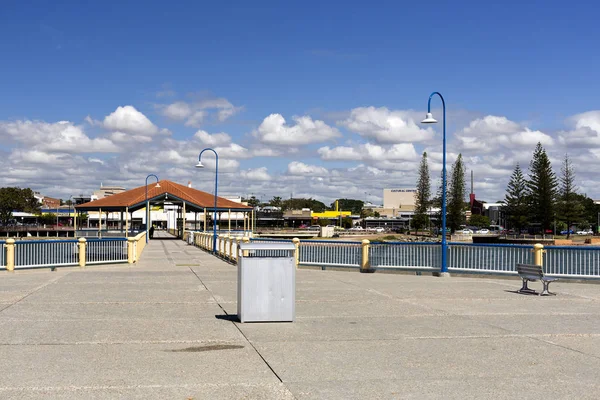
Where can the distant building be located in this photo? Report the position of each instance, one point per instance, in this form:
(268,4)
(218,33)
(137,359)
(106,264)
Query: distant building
(47,202)
(396,201)
(106,191)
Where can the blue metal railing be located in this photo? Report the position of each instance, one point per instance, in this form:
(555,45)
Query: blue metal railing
(572,261)
(330,253)
(2,254)
(489,258)
(405,255)
(45,253)
(99,251)
(565,261)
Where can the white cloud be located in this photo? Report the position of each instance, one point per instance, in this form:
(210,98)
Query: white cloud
(195,113)
(586,132)
(385,126)
(216,139)
(258,174)
(369,152)
(63,137)
(128,119)
(274,130)
(299,168)
(233,151)
(485,135)
(177,111)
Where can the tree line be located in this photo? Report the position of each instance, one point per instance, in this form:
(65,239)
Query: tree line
(538,199)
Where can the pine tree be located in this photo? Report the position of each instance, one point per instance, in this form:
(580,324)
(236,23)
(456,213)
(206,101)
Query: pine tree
(516,200)
(569,208)
(421,218)
(541,189)
(456,195)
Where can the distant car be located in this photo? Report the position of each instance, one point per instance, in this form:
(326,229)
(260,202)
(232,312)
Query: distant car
(357,228)
(570,231)
(588,232)
(466,232)
(379,229)
(483,231)
(315,228)
(303,226)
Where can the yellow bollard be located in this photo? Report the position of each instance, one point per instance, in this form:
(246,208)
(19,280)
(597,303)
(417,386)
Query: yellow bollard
(538,254)
(365,266)
(245,239)
(296,242)
(130,250)
(10,254)
(82,245)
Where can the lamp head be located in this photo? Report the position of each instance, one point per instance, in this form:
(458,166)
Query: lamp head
(429,119)
(157,185)
(199,165)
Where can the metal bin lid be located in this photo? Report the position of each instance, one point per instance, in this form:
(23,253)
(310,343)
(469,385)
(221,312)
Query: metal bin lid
(267,246)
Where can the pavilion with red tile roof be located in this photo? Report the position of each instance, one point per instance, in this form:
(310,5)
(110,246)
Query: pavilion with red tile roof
(164,192)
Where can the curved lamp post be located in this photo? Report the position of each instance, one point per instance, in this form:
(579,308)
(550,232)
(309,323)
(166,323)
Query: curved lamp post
(430,120)
(200,165)
(148,205)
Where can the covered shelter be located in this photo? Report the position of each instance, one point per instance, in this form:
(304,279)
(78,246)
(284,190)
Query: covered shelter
(182,199)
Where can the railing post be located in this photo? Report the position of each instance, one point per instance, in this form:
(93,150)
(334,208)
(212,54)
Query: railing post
(365,266)
(130,250)
(230,240)
(245,239)
(296,242)
(538,254)
(82,245)
(10,254)
(237,248)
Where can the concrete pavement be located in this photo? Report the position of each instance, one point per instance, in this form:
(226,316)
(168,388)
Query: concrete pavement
(165,329)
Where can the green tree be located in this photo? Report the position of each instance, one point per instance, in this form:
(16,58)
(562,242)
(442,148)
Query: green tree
(252,201)
(541,188)
(47,219)
(591,210)
(346,222)
(354,206)
(569,209)
(516,200)
(297,204)
(16,199)
(422,195)
(480,221)
(456,195)
(275,201)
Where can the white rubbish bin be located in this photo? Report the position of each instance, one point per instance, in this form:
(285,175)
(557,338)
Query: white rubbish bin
(266,289)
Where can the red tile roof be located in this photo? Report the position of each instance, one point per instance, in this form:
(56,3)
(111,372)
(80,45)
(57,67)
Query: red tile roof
(137,197)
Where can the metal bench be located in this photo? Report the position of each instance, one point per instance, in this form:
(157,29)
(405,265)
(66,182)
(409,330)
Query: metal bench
(532,272)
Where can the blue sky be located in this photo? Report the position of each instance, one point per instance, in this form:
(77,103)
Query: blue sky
(531,67)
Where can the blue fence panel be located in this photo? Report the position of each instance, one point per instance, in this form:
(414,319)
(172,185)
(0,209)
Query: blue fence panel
(330,253)
(45,253)
(406,255)
(2,254)
(572,261)
(490,258)
(99,251)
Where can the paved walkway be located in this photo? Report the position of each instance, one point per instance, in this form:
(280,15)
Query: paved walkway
(163,329)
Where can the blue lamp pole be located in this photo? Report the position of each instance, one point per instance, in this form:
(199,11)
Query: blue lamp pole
(148,205)
(200,165)
(430,120)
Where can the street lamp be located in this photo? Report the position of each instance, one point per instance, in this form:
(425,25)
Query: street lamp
(200,165)
(148,205)
(430,120)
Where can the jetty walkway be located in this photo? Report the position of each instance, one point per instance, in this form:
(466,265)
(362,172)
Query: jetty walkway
(165,328)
